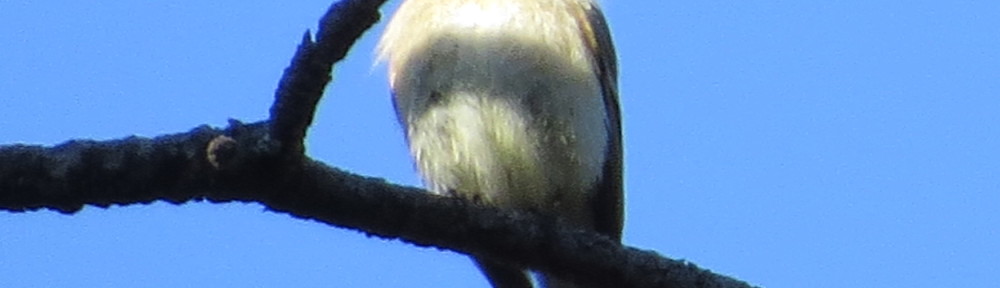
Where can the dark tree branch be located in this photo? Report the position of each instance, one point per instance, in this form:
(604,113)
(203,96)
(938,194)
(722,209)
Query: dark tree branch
(251,163)
(175,168)
(303,82)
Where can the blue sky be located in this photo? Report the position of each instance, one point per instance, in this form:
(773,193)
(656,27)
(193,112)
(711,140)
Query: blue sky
(785,143)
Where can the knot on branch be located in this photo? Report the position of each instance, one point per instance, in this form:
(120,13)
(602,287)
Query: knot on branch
(221,150)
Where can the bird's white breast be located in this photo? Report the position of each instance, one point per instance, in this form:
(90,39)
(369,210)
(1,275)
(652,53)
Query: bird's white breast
(499,99)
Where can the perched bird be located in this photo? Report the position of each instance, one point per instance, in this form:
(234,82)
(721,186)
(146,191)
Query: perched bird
(512,103)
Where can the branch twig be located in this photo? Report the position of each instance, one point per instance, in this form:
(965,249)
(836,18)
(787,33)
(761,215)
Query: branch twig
(303,82)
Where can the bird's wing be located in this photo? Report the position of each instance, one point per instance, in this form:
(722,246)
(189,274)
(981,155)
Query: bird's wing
(608,202)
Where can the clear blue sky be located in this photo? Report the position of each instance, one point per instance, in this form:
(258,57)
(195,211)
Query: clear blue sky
(785,143)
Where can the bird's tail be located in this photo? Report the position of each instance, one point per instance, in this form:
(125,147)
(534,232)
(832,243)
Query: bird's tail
(502,275)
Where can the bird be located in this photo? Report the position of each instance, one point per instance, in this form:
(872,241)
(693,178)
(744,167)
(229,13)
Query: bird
(512,104)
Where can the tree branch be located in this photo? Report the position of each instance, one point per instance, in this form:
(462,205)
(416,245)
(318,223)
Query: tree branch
(176,168)
(263,162)
(303,82)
